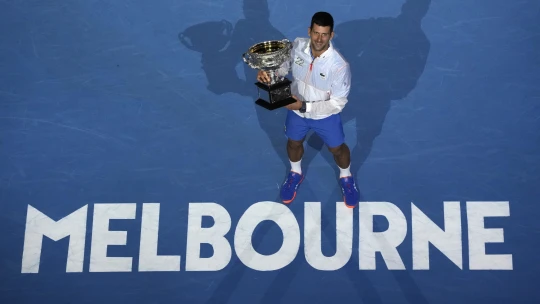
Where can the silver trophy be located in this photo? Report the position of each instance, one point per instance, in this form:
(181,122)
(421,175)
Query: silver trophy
(269,57)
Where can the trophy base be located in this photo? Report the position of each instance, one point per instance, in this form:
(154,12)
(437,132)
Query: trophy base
(276,105)
(279,95)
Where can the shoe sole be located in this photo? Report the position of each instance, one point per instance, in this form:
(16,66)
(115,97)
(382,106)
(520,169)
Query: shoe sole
(348,206)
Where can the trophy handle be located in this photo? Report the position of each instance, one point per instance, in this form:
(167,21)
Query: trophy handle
(246,57)
(287,42)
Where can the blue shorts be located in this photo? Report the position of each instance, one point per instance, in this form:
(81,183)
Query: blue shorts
(330,129)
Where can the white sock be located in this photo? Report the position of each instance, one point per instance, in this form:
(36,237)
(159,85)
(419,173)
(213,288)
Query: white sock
(295,166)
(344,172)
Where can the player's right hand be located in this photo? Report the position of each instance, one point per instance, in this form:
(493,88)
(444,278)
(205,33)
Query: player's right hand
(263,77)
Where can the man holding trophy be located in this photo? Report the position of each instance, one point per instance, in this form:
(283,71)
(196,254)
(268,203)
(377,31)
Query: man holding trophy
(315,97)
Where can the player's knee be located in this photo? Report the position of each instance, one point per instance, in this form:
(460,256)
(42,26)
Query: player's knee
(295,144)
(339,150)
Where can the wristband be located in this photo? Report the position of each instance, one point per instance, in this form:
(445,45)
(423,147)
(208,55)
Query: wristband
(303,107)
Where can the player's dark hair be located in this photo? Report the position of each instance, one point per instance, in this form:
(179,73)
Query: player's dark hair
(323,19)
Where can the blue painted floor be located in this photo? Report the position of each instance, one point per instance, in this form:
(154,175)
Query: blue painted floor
(109,106)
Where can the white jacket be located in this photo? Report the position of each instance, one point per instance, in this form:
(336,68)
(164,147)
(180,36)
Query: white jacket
(323,82)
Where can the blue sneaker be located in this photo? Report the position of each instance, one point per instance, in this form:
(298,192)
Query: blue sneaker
(289,187)
(351,196)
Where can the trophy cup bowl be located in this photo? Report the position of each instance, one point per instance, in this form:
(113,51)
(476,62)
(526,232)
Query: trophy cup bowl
(269,56)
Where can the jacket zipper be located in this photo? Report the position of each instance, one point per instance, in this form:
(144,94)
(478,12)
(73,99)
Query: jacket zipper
(308,75)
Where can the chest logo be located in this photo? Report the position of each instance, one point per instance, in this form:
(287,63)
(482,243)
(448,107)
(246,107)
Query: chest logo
(299,61)
(323,75)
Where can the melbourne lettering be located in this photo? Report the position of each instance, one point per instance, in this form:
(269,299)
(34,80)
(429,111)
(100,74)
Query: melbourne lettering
(426,236)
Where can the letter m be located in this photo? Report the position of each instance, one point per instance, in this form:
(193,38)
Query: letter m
(39,225)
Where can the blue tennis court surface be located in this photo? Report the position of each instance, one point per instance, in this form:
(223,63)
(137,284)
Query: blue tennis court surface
(135,166)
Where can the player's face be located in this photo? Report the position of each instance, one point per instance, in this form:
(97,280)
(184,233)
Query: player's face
(320,37)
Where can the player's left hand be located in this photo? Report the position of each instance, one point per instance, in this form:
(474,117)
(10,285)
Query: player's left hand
(296,105)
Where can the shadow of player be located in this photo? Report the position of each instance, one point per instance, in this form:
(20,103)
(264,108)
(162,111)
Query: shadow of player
(387,57)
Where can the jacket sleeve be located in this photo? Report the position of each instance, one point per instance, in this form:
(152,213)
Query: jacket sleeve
(341,85)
